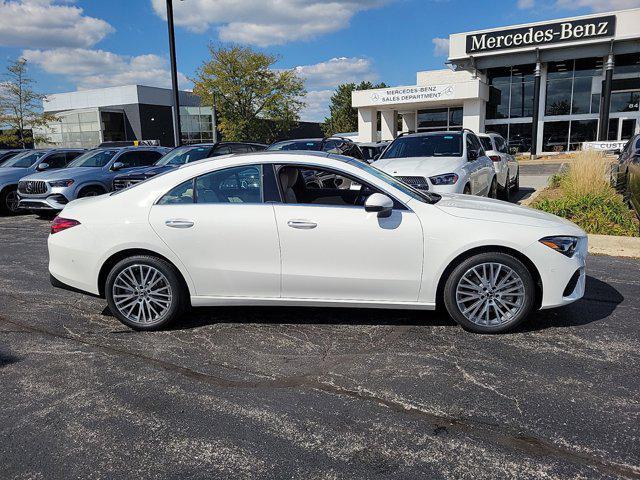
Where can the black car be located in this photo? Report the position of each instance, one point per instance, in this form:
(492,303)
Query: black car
(185,154)
(626,173)
(7,154)
(338,145)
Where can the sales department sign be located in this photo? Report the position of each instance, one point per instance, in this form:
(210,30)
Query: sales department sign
(419,93)
(539,35)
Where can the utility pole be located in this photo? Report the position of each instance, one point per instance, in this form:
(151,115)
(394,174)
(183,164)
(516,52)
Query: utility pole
(174,76)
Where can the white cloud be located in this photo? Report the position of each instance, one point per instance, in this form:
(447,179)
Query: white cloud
(321,79)
(317,106)
(46,23)
(264,23)
(335,71)
(440,47)
(593,5)
(98,68)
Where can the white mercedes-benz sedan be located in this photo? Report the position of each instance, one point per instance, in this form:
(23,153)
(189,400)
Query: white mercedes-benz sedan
(258,229)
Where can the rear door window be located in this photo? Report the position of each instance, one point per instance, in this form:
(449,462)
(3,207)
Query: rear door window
(486,143)
(56,160)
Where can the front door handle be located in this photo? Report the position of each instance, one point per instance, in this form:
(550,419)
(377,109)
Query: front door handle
(302,224)
(179,223)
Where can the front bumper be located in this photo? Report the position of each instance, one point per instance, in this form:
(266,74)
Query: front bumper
(52,203)
(563,278)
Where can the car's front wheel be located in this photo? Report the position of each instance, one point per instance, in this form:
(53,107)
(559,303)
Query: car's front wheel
(145,292)
(489,292)
(9,201)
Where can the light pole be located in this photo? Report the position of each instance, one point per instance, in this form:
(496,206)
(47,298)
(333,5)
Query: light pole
(174,76)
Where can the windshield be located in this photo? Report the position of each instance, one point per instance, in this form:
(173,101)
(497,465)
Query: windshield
(430,145)
(424,197)
(93,159)
(24,160)
(183,155)
(297,145)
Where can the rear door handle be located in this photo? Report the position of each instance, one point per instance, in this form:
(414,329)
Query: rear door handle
(302,224)
(179,223)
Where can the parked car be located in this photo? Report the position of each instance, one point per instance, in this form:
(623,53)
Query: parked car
(246,230)
(180,156)
(88,175)
(372,150)
(626,173)
(506,166)
(337,145)
(443,162)
(26,163)
(7,154)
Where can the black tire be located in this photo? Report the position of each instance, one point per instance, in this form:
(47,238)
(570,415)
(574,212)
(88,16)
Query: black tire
(501,325)
(516,182)
(493,189)
(91,192)
(176,304)
(505,193)
(8,198)
(467,189)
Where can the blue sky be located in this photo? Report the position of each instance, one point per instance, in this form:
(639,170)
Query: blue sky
(93,43)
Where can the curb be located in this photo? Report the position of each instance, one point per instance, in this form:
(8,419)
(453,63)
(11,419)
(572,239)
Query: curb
(614,246)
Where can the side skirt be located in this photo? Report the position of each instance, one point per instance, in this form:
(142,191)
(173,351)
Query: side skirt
(205,301)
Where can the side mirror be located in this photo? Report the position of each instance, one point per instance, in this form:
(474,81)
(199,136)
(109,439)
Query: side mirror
(42,167)
(117,166)
(472,155)
(377,202)
(376,156)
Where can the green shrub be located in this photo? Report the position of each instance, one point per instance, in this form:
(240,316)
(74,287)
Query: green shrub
(602,212)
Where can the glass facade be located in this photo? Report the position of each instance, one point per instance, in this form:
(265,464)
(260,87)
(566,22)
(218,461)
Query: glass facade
(440,119)
(73,129)
(573,87)
(196,124)
(510,92)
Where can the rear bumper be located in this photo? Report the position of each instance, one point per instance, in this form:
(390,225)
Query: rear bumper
(58,284)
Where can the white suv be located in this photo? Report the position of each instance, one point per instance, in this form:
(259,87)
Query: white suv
(506,166)
(443,162)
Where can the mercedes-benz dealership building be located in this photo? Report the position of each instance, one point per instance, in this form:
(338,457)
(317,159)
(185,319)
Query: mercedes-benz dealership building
(546,86)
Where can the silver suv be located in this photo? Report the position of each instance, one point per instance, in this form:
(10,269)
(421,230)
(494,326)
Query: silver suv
(26,163)
(89,175)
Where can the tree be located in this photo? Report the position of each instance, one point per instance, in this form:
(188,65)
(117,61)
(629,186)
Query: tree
(253,101)
(20,106)
(343,117)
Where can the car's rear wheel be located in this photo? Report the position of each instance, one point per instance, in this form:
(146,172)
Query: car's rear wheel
(489,293)
(9,201)
(493,189)
(505,193)
(145,292)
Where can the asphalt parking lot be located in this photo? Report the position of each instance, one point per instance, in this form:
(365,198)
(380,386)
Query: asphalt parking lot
(313,393)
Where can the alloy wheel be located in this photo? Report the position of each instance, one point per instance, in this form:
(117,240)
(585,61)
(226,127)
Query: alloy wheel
(12,201)
(142,294)
(490,294)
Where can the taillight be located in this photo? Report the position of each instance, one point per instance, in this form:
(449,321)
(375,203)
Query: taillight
(59,224)
(495,158)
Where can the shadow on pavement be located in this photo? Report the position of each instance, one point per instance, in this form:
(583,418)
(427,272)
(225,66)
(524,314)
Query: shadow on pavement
(522,194)
(599,301)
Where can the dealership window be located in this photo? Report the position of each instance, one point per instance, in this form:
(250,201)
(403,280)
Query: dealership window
(573,86)
(625,101)
(517,135)
(510,92)
(568,135)
(196,124)
(628,63)
(440,119)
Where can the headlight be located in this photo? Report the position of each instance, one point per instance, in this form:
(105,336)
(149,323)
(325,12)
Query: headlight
(564,245)
(445,179)
(61,183)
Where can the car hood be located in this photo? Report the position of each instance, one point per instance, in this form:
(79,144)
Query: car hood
(147,172)
(77,173)
(419,166)
(482,208)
